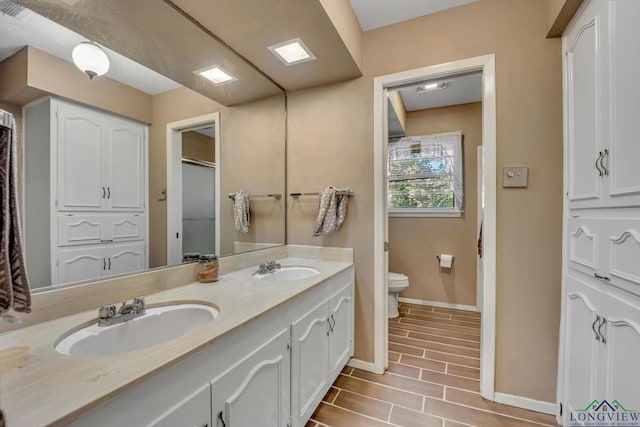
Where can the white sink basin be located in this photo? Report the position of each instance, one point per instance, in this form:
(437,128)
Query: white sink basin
(290,273)
(157,325)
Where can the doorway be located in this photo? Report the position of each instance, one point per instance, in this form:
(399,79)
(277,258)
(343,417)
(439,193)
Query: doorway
(193,187)
(382,85)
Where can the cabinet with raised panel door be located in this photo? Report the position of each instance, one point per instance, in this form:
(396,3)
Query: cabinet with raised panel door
(601,92)
(602,341)
(600,333)
(78,264)
(100,160)
(321,344)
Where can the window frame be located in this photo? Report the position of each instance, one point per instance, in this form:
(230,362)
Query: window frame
(433,212)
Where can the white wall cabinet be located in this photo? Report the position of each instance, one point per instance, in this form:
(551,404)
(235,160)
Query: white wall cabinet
(600,333)
(90,262)
(602,341)
(601,91)
(100,161)
(96,165)
(254,374)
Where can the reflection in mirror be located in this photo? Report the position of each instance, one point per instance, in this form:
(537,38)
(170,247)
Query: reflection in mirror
(250,158)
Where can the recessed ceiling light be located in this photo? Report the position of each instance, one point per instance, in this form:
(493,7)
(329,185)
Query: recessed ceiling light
(431,86)
(216,75)
(292,51)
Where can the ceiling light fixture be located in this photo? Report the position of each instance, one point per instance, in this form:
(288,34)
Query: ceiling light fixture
(91,59)
(216,75)
(431,86)
(292,51)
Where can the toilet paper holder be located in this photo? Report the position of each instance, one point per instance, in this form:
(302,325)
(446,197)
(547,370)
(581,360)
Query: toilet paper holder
(453,258)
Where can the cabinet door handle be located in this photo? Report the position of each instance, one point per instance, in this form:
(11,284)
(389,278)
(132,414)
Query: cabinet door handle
(597,276)
(329,323)
(593,327)
(104,192)
(109,263)
(604,322)
(104,264)
(602,159)
(598,167)
(109,192)
(222,419)
(334,323)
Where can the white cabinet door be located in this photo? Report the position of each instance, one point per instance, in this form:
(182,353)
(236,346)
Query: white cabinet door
(123,259)
(80,157)
(125,165)
(194,411)
(341,337)
(79,230)
(309,361)
(582,343)
(621,376)
(78,265)
(624,150)
(586,104)
(255,391)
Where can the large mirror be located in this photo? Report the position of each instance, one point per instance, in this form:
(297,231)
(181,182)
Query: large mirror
(199,155)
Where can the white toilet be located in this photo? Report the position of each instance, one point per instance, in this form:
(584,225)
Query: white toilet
(396,283)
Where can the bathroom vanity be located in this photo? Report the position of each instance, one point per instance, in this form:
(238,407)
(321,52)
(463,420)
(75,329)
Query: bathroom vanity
(267,359)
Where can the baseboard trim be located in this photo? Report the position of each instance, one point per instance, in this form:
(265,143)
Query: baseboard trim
(438,304)
(525,403)
(360,364)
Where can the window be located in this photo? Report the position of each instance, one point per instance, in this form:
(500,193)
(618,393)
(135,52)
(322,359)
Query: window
(425,175)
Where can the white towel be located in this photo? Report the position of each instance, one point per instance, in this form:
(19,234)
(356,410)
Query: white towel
(241,214)
(14,287)
(332,210)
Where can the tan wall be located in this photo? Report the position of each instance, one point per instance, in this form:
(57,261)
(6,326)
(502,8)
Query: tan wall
(330,141)
(415,242)
(198,146)
(252,158)
(32,73)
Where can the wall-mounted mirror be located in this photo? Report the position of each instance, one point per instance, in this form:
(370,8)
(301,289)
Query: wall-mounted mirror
(249,136)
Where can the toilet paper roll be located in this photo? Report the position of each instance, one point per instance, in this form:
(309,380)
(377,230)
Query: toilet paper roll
(446,260)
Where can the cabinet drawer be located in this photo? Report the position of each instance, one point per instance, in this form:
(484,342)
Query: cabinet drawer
(93,229)
(584,238)
(623,253)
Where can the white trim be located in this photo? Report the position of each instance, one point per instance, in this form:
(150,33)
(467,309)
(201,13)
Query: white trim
(486,64)
(423,213)
(526,403)
(365,366)
(438,304)
(174,151)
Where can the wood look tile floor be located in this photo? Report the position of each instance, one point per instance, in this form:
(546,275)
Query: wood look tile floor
(432,379)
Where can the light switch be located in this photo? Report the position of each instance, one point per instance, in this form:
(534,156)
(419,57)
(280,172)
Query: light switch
(161,194)
(515,176)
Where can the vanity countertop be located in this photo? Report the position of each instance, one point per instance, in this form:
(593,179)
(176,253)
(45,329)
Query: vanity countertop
(39,386)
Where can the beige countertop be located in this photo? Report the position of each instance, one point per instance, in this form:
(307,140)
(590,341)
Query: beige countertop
(39,386)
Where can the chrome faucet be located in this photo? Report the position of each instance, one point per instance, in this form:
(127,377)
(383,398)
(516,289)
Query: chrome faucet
(268,268)
(108,316)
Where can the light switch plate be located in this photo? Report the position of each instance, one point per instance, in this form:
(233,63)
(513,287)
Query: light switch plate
(161,194)
(515,177)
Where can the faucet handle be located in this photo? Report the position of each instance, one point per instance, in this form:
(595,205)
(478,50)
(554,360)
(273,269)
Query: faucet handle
(107,311)
(138,303)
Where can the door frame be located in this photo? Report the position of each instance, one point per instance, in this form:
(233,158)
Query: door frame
(485,64)
(174,180)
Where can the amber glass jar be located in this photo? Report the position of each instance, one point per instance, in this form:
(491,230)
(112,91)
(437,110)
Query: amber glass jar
(208,268)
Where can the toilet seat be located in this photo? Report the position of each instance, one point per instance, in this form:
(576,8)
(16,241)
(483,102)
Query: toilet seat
(397,282)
